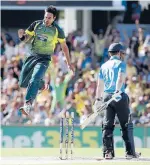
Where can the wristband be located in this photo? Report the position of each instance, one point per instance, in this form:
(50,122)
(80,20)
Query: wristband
(22,38)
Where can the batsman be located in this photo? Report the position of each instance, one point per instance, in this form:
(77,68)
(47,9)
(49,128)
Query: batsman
(112,80)
(43,35)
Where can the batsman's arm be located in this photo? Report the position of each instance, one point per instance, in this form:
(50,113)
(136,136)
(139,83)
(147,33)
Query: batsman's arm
(120,81)
(121,76)
(100,88)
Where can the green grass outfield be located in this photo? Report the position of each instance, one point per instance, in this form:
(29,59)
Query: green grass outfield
(50,156)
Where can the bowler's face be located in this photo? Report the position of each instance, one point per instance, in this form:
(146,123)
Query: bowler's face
(48,18)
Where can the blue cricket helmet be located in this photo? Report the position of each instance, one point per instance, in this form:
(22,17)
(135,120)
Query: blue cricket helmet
(116,47)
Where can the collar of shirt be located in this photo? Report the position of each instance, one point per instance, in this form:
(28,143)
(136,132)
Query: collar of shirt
(47,26)
(114,57)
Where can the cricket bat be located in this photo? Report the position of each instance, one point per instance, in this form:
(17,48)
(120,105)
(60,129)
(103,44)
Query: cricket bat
(116,97)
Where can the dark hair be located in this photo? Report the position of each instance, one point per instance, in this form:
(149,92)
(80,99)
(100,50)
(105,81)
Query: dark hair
(51,9)
(113,53)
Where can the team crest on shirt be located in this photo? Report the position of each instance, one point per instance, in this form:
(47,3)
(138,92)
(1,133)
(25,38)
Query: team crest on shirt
(42,37)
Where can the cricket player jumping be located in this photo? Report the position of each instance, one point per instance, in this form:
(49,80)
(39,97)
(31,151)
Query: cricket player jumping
(112,80)
(43,35)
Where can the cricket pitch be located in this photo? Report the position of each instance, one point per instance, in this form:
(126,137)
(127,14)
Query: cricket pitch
(50,156)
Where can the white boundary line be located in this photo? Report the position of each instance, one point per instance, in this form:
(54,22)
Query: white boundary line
(54,160)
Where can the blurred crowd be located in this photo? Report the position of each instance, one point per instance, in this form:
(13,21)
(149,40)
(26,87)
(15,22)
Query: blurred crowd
(76,94)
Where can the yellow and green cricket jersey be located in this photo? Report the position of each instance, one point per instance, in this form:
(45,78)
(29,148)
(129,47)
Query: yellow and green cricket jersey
(44,39)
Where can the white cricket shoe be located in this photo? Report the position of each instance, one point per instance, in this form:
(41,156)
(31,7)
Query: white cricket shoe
(108,156)
(137,155)
(26,109)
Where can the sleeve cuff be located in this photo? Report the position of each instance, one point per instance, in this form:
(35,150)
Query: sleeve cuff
(31,33)
(60,40)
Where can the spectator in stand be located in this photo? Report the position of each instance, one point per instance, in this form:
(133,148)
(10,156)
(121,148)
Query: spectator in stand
(9,81)
(9,47)
(131,69)
(59,86)
(80,40)
(136,11)
(100,42)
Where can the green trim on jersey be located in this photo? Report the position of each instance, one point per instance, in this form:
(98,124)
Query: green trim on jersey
(60,35)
